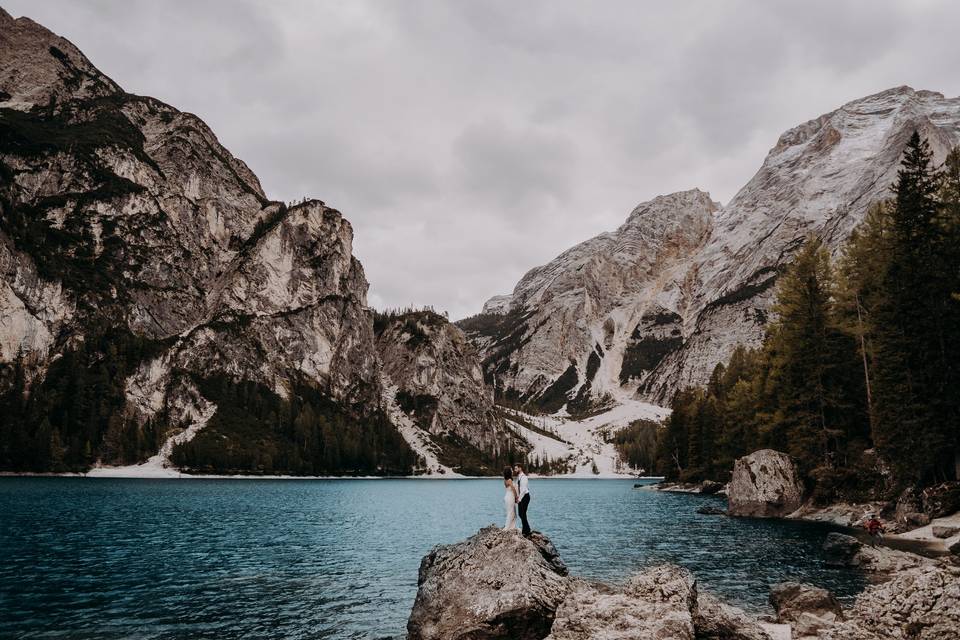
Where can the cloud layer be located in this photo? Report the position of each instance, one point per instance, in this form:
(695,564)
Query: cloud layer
(468,142)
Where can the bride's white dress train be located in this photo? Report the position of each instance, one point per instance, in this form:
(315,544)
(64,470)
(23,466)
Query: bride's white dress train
(511,506)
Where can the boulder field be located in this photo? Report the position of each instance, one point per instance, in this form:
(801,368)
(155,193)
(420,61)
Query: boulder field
(498,585)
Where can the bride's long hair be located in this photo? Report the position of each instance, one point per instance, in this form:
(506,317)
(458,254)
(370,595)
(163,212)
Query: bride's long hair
(508,473)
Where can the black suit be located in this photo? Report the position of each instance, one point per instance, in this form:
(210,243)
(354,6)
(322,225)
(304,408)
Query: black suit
(524,503)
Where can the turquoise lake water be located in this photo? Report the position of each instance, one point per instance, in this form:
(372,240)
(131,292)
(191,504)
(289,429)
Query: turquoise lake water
(108,559)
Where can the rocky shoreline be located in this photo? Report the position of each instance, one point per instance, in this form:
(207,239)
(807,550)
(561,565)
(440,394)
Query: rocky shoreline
(498,585)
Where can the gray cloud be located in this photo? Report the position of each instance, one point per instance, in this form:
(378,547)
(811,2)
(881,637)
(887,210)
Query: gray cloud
(469,141)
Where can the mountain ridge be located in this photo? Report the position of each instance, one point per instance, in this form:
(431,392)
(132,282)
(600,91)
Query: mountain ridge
(819,178)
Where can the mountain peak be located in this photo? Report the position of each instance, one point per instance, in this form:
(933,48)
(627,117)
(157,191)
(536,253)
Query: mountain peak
(39,68)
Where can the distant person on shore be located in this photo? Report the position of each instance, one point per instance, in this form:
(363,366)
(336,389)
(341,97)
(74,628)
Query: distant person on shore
(523,496)
(875,528)
(510,499)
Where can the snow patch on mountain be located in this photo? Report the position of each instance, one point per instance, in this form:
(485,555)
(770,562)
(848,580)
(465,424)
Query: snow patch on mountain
(585,442)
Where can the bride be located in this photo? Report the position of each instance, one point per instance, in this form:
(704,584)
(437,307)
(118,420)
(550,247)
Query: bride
(510,499)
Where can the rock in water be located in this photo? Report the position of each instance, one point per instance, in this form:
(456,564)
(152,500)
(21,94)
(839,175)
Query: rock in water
(840,549)
(765,484)
(658,603)
(495,584)
(805,607)
(708,510)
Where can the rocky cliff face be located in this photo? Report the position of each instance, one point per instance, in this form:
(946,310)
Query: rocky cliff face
(688,281)
(592,324)
(432,374)
(123,215)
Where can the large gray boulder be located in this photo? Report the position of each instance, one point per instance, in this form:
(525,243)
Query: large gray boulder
(806,608)
(765,484)
(716,620)
(496,584)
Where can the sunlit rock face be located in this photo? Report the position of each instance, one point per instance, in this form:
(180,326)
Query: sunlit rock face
(658,303)
(122,213)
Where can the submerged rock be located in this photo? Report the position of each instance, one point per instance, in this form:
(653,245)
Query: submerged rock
(495,584)
(840,549)
(708,510)
(765,484)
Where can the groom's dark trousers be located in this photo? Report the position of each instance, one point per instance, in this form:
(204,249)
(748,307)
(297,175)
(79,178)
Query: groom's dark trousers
(524,503)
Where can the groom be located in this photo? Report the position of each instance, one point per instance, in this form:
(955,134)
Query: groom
(523,493)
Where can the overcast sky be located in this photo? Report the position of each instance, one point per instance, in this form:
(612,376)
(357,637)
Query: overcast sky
(470,141)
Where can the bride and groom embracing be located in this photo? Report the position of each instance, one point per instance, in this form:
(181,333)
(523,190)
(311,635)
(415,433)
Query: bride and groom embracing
(518,494)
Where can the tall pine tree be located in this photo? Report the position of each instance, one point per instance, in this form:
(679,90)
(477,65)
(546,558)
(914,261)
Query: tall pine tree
(915,316)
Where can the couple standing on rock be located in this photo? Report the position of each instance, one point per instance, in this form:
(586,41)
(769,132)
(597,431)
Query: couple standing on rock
(518,493)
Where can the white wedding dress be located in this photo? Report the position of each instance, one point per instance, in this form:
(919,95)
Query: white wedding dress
(510,503)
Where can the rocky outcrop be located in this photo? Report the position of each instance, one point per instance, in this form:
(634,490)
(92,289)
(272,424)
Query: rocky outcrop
(945,531)
(922,603)
(942,499)
(841,550)
(658,603)
(764,484)
(716,620)
(655,321)
(806,608)
(498,585)
(434,377)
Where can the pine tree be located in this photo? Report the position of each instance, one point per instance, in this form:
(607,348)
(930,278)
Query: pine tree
(804,348)
(916,404)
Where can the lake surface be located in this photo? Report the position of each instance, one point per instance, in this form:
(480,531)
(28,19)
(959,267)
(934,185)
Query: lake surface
(103,558)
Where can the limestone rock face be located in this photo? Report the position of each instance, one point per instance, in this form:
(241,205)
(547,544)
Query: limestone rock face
(496,584)
(123,214)
(764,484)
(599,317)
(921,603)
(685,281)
(434,377)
